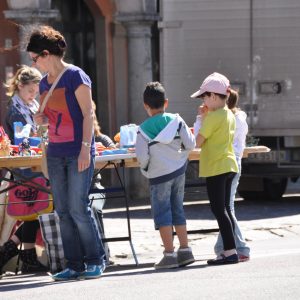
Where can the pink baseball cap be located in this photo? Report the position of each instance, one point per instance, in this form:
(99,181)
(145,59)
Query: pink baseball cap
(214,83)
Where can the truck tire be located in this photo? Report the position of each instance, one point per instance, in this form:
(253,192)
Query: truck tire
(252,195)
(274,188)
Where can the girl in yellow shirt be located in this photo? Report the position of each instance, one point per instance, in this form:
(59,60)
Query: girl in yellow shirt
(218,163)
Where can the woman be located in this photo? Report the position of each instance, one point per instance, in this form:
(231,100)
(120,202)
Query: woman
(100,137)
(71,152)
(105,141)
(22,88)
(218,163)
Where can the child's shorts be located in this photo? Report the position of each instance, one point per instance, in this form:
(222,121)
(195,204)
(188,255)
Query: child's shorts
(167,202)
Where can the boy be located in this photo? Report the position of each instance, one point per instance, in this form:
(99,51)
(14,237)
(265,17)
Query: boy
(162,147)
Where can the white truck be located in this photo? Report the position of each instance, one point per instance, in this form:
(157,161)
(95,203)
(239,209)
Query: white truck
(256,44)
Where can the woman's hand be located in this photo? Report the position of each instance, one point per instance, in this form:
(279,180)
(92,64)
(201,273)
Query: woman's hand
(40,119)
(84,158)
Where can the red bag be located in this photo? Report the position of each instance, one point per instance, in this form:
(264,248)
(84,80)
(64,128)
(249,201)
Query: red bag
(21,201)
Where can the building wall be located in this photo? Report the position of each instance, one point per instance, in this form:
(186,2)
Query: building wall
(9,54)
(120,75)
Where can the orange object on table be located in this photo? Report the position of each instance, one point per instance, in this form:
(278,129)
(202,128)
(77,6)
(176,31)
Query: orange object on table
(117,137)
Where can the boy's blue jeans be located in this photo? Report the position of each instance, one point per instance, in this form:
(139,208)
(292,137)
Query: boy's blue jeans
(70,189)
(167,202)
(241,245)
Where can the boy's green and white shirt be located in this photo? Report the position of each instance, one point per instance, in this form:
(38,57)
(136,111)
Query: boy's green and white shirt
(162,147)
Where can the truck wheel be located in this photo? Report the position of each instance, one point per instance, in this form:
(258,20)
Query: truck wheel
(252,195)
(274,188)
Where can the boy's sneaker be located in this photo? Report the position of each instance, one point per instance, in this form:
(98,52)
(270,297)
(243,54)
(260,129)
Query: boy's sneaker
(94,271)
(185,257)
(169,261)
(68,274)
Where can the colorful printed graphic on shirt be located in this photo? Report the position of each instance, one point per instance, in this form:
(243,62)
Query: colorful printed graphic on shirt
(61,127)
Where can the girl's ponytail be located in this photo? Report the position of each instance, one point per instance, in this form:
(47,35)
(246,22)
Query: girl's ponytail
(232,99)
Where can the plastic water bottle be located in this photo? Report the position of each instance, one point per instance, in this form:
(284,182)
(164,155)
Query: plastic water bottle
(128,135)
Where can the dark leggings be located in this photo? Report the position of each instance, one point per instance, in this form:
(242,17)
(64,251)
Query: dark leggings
(26,233)
(218,189)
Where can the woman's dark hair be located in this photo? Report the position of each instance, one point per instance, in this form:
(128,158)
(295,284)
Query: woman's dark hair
(46,38)
(154,95)
(97,128)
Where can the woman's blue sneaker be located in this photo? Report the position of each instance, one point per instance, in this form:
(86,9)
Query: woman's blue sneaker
(94,271)
(68,274)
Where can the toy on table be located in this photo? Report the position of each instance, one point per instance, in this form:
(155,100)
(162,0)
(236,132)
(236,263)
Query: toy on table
(14,150)
(4,143)
(24,148)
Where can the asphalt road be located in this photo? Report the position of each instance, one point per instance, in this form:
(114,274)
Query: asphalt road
(273,272)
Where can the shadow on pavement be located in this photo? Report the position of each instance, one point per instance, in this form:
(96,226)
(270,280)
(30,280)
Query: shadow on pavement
(142,269)
(200,209)
(31,281)
(26,281)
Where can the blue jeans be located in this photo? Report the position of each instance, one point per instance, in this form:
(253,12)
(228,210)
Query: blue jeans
(167,202)
(70,189)
(241,245)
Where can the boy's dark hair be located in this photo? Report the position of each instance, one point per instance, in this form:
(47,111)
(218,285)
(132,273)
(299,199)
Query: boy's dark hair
(154,95)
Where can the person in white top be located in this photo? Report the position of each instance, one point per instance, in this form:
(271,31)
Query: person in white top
(239,144)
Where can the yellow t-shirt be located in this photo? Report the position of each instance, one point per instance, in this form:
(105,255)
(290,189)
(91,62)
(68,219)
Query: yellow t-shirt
(217,154)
